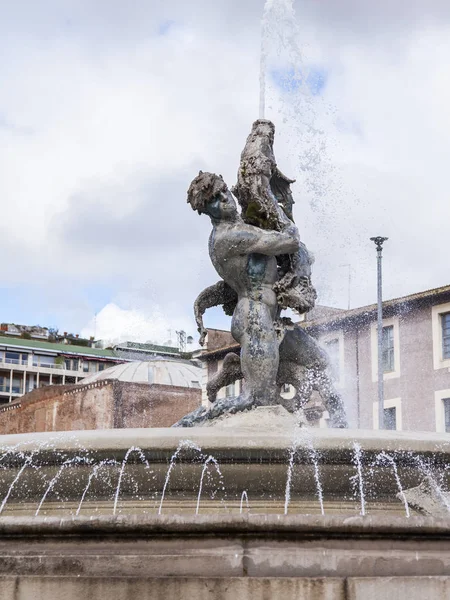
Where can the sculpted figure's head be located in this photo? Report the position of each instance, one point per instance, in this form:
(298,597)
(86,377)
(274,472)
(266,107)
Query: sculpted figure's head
(265,129)
(209,194)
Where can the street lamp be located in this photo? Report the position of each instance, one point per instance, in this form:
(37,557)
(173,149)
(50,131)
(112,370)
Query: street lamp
(379,241)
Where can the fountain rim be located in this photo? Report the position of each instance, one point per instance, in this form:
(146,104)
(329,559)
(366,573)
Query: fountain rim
(210,439)
(251,525)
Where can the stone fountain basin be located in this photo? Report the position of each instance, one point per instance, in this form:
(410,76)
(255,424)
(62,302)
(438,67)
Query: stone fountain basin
(252,460)
(183,548)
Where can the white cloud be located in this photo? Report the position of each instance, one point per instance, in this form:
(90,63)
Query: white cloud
(115,324)
(98,112)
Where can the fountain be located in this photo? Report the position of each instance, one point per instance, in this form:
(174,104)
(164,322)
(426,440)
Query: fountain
(239,500)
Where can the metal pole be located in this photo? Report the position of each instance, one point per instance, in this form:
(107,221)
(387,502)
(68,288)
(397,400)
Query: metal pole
(379,246)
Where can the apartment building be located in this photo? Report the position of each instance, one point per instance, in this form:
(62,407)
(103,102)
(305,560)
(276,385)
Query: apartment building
(26,364)
(416,360)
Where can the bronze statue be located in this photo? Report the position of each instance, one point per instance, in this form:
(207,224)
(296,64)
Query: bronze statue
(263,268)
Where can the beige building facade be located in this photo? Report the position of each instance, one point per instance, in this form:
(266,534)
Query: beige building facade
(416,360)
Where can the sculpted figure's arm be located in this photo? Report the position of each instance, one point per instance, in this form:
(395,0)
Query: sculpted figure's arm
(271,243)
(219,293)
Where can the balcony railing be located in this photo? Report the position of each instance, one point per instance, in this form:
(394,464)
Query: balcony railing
(24,363)
(50,366)
(14,389)
(14,361)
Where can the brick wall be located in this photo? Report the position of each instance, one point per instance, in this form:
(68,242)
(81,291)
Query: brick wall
(219,339)
(143,405)
(102,405)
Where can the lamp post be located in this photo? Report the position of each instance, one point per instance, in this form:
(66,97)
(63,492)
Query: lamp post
(379,241)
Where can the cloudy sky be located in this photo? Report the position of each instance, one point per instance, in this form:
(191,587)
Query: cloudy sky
(108,109)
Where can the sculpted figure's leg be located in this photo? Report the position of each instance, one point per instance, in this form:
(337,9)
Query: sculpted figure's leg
(332,400)
(253,328)
(304,365)
(230,372)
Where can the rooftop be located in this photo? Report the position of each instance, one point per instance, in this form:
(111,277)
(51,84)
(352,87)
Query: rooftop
(340,315)
(57,347)
(140,347)
(364,311)
(163,371)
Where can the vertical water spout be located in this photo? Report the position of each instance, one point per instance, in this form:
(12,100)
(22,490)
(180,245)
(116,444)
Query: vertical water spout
(124,462)
(244,497)
(208,461)
(384,457)
(76,459)
(358,464)
(183,444)
(103,463)
(262,71)
(21,470)
(315,461)
(287,493)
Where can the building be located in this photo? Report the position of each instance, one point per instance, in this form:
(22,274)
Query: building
(154,393)
(26,364)
(416,359)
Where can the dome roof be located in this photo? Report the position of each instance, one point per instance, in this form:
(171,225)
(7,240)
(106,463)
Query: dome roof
(158,370)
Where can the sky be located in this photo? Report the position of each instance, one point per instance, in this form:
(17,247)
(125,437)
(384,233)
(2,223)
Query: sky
(109,109)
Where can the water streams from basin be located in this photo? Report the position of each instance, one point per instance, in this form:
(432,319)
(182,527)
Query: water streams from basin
(304,462)
(432,482)
(208,461)
(303,440)
(141,455)
(382,458)
(184,444)
(357,459)
(244,496)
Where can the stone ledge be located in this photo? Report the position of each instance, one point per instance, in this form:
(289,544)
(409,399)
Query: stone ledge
(233,588)
(142,526)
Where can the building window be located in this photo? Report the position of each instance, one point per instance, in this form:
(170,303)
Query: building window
(390,418)
(43,361)
(85,366)
(332,347)
(101,366)
(392,414)
(230,391)
(388,349)
(446,402)
(445,324)
(16,358)
(16,387)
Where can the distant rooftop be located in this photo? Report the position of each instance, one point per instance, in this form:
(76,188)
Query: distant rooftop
(58,347)
(141,347)
(159,370)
